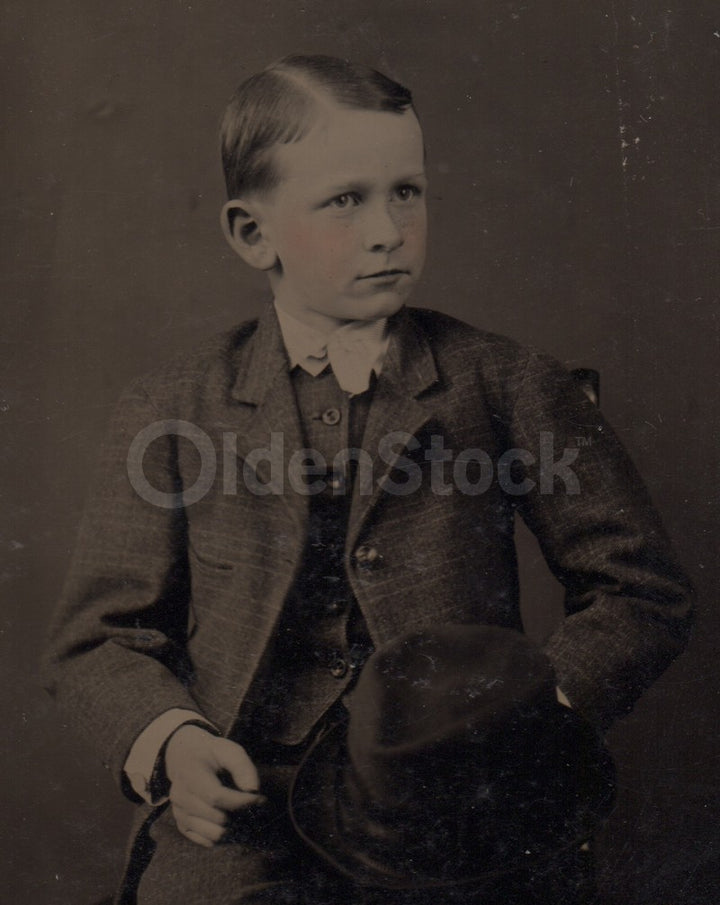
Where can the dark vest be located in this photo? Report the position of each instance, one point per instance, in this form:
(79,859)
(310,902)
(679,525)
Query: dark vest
(321,640)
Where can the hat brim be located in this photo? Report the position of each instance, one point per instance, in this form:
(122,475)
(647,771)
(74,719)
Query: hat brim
(316,792)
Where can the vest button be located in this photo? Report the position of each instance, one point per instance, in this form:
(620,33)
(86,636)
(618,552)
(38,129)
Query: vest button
(367,556)
(336,483)
(339,668)
(334,607)
(331,416)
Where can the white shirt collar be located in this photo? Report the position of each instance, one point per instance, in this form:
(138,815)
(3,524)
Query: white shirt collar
(354,350)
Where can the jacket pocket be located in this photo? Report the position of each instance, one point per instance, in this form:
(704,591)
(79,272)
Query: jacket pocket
(210,581)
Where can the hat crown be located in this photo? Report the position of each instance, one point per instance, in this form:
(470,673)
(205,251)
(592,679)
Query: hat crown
(458,762)
(454,693)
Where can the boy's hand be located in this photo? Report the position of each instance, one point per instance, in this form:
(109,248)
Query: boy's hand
(200,801)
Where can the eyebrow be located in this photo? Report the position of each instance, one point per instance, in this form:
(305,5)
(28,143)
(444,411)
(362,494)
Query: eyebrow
(341,188)
(351,185)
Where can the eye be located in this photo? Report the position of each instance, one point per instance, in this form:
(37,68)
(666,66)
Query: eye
(345,201)
(408,192)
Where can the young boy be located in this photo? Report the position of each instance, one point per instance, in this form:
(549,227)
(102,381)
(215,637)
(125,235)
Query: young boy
(360,464)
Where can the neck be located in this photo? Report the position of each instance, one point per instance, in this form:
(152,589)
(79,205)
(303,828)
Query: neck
(323,323)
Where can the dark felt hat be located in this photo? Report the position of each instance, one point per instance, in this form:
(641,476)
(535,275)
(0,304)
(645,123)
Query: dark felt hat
(456,764)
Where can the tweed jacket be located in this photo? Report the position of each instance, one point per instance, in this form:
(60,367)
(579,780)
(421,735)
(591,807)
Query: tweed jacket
(175,606)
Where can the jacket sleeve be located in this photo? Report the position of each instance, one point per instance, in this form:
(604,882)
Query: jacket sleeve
(629,605)
(117,656)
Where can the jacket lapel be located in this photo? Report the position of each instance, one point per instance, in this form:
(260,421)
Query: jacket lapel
(271,420)
(409,370)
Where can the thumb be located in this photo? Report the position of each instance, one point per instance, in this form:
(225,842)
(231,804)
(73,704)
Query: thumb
(234,762)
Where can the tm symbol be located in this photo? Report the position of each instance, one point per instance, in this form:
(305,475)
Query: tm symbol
(584,441)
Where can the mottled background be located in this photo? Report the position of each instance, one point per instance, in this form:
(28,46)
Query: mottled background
(573,157)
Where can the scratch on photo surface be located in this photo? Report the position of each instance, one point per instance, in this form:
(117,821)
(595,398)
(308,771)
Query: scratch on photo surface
(622,125)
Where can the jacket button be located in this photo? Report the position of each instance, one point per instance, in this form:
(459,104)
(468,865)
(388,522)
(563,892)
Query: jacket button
(339,668)
(367,556)
(331,416)
(336,483)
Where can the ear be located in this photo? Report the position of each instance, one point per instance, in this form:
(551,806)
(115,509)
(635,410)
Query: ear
(241,224)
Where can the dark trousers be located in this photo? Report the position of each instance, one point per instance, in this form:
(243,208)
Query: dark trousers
(259,860)
(262,861)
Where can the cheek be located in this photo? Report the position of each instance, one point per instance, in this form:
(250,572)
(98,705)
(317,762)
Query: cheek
(297,244)
(320,250)
(414,225)
(326,242)
(416,234)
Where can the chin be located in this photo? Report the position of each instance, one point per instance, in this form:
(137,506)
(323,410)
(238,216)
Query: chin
(384,305)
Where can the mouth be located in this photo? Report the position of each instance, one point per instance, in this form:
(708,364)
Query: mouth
(385,274)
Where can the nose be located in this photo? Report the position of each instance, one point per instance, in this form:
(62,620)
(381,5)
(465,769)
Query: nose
(383,232)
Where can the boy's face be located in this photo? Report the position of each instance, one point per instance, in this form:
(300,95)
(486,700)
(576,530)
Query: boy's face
(347,221)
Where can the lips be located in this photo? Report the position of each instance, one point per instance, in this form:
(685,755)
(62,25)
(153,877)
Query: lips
(384,273)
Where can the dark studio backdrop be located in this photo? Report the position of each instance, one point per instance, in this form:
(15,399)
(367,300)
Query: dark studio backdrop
(573,159)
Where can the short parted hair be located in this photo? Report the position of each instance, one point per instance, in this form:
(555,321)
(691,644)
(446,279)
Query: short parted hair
(276,106)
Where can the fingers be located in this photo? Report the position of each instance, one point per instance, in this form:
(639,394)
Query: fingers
(202,823)
(205,823)
(197,807)
(234,759)
(233,800)
(198,830)
(205,794)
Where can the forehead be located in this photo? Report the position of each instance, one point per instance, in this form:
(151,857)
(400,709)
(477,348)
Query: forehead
(344,144)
